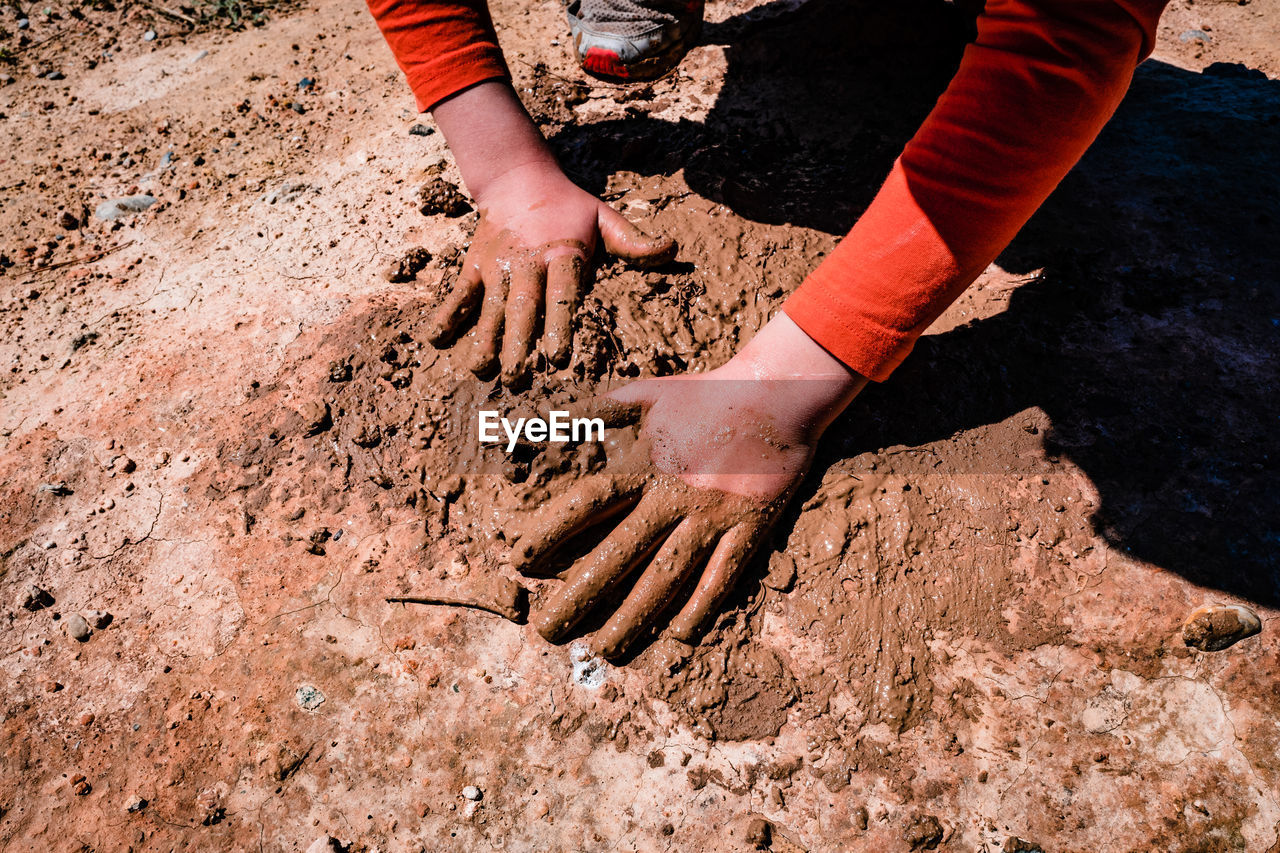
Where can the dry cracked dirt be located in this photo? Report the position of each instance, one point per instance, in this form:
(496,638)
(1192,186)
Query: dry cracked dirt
(224,443)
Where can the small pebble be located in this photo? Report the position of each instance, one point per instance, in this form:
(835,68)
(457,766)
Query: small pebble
(34,598)
(325,844)
(1214,627)
(24,23)
(309,698)
(135,804)
(99,619)
(472,793)
(55,75)
(759,833)
(589,670)
(76,627)
(149,35)
(118,207)
(421,130)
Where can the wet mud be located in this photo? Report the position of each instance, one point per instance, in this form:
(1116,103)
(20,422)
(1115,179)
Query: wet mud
(224,424)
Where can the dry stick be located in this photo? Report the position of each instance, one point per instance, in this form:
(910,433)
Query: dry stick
(59,34)
(88,259)
(169,13)
(580,83)
(506,612)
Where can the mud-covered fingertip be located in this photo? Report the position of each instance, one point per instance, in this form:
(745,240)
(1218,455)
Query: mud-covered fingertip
(558,350)
(438,336)
(552,628)
(662,250)
(513,374)
(610,643)
(484,361)
(670,652)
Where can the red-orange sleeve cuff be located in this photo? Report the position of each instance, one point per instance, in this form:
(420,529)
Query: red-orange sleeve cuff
(443,46)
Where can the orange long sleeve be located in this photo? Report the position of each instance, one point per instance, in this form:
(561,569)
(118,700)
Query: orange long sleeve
(443,46)
(1031,94)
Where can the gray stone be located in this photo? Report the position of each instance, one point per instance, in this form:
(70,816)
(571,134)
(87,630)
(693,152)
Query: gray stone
(117,207)
(309,698)
(76,627)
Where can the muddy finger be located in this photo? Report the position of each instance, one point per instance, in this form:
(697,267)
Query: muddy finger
(488,330)
(458,306)
(630,543)
(524,303)
(565,283)
(675,561)
(624,238)
(726,563)
(590,502)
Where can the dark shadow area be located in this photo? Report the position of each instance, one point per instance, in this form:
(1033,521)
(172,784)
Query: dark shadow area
(1149,333)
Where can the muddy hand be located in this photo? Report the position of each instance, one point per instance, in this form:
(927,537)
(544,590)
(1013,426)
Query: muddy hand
(530,259)
(697,492)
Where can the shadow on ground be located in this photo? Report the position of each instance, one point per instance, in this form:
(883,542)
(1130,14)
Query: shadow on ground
(1149,329)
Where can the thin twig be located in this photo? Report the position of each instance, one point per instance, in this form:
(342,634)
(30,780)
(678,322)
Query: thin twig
(511,611)
(88,259)
(546,70)
(169,13)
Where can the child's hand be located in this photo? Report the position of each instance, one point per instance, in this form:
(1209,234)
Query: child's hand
(719,456)
(536,235)
(532,249)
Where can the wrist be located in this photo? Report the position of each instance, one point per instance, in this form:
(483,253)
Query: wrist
(795,375)
(521,179)
(493,139)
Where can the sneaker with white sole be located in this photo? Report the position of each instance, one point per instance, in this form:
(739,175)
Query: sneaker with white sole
(633,40)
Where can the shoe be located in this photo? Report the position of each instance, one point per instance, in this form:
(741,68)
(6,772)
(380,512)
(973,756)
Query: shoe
(632,40)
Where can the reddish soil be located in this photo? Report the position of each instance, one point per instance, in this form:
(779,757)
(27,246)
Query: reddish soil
(221,424)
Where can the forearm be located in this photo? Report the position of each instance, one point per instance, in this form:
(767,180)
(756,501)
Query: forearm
(493,139)
(1031,94)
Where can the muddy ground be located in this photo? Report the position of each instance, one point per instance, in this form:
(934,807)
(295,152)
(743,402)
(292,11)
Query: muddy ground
(221,449)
